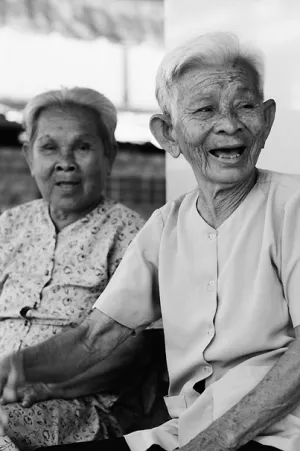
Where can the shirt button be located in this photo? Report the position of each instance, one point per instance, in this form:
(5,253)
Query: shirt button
(211,283)
(207,368)
(210,332)
(47,272)
(212,236)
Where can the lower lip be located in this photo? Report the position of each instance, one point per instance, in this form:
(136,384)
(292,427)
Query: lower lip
(229,161)
(68,187)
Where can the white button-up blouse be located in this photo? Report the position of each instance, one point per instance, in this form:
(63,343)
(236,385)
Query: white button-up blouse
(229,300)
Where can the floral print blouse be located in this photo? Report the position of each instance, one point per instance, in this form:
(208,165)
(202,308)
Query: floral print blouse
(49,281)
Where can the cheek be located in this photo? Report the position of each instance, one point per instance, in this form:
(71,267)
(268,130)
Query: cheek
(253,124)
(41,169)
(194,133)
(94,171)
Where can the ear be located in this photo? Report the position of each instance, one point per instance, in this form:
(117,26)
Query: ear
(269,115)
(109,167)
(28,156)
(162,129)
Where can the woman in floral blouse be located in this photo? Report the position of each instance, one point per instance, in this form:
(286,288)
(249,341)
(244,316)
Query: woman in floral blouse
(57,254)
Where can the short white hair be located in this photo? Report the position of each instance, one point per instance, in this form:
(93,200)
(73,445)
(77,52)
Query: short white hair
(208,50)
(104,109)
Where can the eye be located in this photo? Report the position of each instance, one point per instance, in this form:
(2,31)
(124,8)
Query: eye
(84,146)
(205,109)
(246,106)
(48,147)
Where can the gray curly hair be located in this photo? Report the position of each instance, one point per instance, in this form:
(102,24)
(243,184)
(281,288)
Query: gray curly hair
(105,110)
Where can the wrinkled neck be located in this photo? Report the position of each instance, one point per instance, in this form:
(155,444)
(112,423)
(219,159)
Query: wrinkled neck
(63,218)
(216,205)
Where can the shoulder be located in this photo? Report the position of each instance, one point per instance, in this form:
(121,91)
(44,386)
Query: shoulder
(119,215)
(173,209)
(280,188)
(23,211)
(289,183)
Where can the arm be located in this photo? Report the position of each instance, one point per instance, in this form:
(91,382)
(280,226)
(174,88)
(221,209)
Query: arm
(272,399)
(110,375)
(64,356)
(131,298)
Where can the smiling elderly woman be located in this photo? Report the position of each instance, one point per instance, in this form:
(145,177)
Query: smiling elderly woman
(57,255)
(220,265)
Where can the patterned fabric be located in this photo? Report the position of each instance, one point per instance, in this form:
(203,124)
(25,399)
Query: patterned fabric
(49,282)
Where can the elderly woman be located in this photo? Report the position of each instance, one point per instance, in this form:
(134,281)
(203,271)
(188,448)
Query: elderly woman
(220,265)
(57,255)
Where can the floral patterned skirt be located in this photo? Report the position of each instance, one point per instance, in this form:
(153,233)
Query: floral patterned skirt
(59,421)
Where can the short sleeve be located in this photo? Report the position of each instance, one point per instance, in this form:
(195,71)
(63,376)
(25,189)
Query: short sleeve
(132,295)
(129,224)
(290,265)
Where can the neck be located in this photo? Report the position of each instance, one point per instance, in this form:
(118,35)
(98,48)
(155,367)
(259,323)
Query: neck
(62,218)
(215,204)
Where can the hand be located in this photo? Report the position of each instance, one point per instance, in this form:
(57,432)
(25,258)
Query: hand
(30,394)
(11,377)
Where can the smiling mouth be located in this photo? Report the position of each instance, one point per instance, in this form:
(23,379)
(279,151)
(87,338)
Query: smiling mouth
(228,153)
(67,183)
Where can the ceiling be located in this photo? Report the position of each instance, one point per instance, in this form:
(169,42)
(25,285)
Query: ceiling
(134,21)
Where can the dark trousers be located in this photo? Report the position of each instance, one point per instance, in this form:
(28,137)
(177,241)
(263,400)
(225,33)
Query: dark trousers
(119,444)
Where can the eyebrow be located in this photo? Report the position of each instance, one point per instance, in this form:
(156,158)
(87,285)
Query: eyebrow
(245,91)
(201,98)
(44,137)
(76,138)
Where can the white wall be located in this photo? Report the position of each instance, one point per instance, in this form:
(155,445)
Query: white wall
(273,26)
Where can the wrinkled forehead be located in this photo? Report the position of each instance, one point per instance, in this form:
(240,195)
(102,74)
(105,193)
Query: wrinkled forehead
(212,80)
(68,118)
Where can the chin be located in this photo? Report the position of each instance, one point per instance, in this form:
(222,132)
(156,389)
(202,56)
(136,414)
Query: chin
(66,205)
(229,176)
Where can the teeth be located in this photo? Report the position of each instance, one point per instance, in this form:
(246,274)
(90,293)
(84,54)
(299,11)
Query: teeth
(231,157)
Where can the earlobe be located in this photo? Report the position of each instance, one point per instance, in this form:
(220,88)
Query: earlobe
(162,129)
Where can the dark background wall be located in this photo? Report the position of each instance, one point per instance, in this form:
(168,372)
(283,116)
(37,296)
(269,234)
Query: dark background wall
(137,179)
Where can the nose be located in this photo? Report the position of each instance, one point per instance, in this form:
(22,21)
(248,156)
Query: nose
(66,163)
(227,124)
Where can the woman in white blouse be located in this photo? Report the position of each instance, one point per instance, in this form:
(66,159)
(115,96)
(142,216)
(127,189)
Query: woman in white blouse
(220,265)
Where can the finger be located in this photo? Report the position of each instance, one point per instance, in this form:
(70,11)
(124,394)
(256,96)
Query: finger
(3,377)
(28,400)
(10,392)
(20,395)
(3,421)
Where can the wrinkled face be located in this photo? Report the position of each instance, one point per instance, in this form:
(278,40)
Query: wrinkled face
(219,123)
(67,159)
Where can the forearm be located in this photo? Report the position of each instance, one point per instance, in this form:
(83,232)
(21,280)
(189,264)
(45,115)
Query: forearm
(272,399)
(72,353)
(110,375)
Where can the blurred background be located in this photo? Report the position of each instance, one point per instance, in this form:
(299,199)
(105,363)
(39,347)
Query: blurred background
(113,46)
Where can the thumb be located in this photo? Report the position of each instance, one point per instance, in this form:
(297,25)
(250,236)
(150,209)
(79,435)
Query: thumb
(14,379)
(3,421)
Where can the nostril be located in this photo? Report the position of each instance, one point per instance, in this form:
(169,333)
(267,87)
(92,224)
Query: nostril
(67,166)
